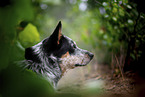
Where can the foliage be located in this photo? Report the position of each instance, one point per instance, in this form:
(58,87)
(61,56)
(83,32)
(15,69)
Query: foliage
(18,83)
(15,82)
(120,27)
(29,36)
(10,15)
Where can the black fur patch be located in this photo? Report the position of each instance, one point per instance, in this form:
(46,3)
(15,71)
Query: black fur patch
(57,49)
(30,55)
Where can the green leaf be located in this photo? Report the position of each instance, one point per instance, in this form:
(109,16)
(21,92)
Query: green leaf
(130,21)
(128,6)
(104,4)
(29,36)
(133,56)
(114,18)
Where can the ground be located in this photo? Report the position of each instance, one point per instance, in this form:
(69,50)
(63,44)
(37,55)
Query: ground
(97,80)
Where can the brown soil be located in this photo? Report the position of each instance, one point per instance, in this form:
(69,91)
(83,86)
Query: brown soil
(116,85)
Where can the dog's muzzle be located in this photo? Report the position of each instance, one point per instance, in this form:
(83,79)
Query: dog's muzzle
(84,62)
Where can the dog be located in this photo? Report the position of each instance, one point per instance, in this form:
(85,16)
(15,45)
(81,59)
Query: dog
(53,56)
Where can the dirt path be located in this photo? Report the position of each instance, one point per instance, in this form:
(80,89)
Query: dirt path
(94,80)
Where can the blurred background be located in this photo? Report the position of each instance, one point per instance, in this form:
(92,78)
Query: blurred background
(114,30)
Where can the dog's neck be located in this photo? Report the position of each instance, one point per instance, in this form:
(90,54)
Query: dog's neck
(51,71)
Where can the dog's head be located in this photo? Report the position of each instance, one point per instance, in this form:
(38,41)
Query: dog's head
(61,48)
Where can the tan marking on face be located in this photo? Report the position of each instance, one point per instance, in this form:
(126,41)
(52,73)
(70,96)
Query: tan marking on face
(65,55)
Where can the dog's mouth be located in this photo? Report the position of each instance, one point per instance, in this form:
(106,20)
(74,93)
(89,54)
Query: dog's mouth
(84,61)
(80,65)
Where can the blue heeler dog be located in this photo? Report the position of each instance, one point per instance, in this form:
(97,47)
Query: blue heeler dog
(54,55)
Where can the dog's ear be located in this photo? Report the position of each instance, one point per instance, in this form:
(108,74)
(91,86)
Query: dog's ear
(31,55)
(56,35)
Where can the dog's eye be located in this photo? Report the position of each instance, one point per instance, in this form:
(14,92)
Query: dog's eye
(74,46)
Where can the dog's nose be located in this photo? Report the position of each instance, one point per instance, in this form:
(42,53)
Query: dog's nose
(91,55)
